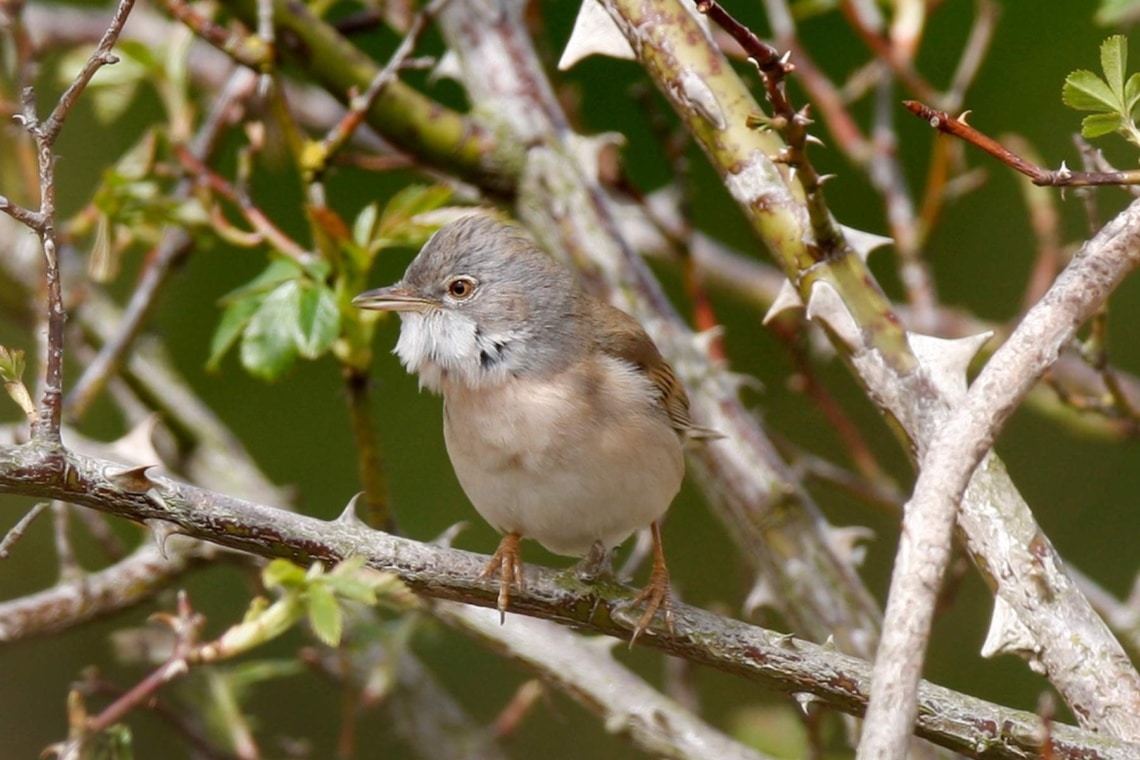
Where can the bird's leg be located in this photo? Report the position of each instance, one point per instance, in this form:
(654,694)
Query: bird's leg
(656,592)
(595,564)
(507,562)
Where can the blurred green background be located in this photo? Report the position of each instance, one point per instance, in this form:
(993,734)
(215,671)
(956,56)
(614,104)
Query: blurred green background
(1080,488)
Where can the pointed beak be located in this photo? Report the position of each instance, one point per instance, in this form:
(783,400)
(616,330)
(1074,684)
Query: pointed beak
(393,298)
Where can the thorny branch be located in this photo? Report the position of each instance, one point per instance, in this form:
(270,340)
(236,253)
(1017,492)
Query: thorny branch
(43,222)
(776,661)
(1063,177)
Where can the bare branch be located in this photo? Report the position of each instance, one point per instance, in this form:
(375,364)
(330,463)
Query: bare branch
(954,451)
(772,660)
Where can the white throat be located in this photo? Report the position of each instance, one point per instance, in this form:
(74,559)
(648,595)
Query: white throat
(443,345)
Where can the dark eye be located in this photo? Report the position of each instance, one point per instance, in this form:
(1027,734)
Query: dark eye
(461,287)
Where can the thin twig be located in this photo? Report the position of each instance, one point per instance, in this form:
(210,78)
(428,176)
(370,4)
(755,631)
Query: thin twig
(1063,177)
(176,243)
(360,105)
(17,531)
(264,227)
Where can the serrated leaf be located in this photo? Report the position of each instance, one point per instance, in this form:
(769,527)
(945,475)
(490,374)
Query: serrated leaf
(1100,124)
(232,324)
(1131,93)
(11,364)
(352,588)
(1085,91)
(269,343)
(278,271)
(1114,62)
(318,321)
(325,615)
(281,573)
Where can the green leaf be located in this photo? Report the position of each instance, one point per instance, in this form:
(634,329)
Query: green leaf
(318,321)
(352,588)
(365,224)
(234,320)
(11,364)
(269,345)
(1100,124)
(282,574)
(1131,93)
(325,615)
(1085,91)
(1114,62)
(278,271)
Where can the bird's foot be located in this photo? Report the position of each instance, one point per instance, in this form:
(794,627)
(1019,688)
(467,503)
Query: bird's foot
(595,564)
(656,593)
(507,562)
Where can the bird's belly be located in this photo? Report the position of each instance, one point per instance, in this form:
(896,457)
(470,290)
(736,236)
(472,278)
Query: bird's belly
(532,462)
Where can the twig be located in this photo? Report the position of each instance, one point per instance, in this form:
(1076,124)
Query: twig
(43,222)
(1063,177)
(17,531)
(69,567)
(263,226)
(241,47)
(360,105)
(176,243)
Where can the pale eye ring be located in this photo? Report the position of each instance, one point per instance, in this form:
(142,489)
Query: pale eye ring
(461,287)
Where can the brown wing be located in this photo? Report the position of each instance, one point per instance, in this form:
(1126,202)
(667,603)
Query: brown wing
(620,335)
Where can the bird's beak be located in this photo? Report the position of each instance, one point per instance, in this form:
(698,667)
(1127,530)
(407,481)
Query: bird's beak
(392,298)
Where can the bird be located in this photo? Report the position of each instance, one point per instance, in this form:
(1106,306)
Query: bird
(563,422)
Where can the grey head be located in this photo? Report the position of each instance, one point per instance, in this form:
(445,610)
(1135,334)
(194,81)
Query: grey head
(481,303)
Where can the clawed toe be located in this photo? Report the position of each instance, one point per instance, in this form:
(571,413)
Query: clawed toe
(507,563)
(656,594)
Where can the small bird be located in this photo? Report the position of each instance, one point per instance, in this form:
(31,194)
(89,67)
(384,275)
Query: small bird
(562,420)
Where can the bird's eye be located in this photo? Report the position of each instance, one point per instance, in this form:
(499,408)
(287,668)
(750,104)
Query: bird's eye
(461,287)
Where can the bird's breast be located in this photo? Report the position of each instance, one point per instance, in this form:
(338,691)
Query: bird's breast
(570,458)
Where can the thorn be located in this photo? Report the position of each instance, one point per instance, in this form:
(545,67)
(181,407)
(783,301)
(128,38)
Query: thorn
(132,479)
(830,643)
(348,515)
(824,179)
(813,140)
(791,174)
(704,340)
(804,700)
(446,538)
(786,641)
(1064,173)
(787,298)
(786,58)
(963,116)
(162,531)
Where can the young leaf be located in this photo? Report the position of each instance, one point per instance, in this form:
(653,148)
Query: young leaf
(318,321)
(233,323)
(269,346)
(1085,91)
(283,574)
(1101,124)
(325,615)
(1114,62)
(278,271)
